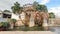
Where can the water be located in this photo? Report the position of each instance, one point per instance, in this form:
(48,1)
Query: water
(56,30)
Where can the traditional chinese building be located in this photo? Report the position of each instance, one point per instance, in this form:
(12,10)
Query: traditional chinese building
(4,16)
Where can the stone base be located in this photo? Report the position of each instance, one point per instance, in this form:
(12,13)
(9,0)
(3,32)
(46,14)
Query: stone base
(19,23)
(31,24)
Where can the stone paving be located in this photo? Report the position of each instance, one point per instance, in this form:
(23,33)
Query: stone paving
(26,32)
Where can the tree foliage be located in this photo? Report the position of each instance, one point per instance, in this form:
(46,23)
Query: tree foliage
(5,24)
(51,15)
(13,20)
(40,7)
(16,8)
(35,4)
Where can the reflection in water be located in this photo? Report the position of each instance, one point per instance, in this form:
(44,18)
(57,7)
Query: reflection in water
(55,29)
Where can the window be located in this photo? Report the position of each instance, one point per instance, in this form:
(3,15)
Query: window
(6,16)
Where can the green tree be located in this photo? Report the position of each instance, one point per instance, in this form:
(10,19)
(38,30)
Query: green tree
(40,7)
(51,15)
(5,25)
(35,4)
(16,8)
(13,21)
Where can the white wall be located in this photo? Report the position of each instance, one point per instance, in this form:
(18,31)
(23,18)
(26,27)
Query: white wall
(14,16)
(0,14)
(22,15)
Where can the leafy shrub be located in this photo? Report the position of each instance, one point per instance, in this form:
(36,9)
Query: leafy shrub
(0,24)
(13,20)
(5,24)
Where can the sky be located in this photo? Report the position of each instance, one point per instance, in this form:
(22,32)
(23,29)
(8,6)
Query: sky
(52,5)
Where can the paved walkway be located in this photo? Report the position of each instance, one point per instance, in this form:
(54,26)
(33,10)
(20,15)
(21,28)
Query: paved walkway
(26,32)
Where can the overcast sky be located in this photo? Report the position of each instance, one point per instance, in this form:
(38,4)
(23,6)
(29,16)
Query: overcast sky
(52,5)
